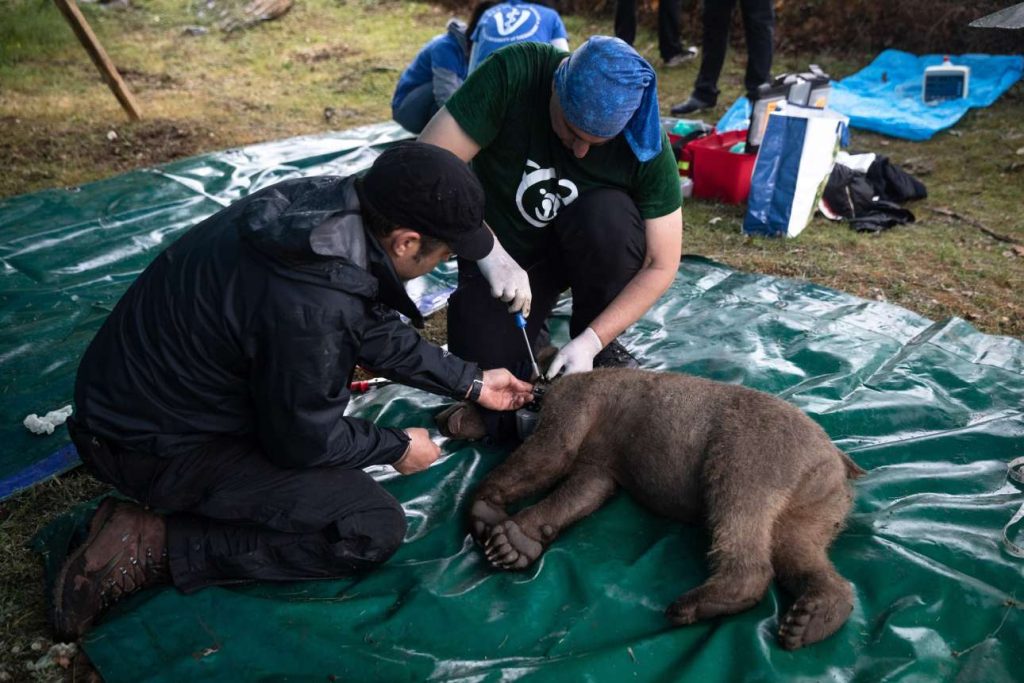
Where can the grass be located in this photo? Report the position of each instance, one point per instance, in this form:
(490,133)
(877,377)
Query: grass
(208,92)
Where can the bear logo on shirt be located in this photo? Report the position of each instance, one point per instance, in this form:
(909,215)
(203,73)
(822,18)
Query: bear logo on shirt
(542,194)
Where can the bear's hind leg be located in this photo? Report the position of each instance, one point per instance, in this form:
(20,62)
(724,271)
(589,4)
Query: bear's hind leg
(824,599)
(740,556)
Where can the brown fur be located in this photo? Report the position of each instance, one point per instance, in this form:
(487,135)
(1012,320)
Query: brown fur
(767,481)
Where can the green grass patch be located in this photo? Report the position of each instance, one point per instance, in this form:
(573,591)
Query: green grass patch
(32,30)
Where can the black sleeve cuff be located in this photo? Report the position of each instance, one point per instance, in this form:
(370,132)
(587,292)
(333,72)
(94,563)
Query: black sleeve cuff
(469,375)
(399,445)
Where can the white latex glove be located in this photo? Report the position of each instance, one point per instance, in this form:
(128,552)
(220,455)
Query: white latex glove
(509,282)
(577,355)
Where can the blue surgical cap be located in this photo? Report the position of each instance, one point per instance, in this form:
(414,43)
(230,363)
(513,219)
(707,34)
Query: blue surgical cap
(606,88)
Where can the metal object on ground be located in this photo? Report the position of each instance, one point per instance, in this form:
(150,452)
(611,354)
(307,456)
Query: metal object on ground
(1012,18)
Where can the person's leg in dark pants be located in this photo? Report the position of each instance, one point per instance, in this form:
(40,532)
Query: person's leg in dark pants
(716,17)
(602,244)
(759,25)
(233,516)
(625,20)
(241,517)
(416,109)
(669,43)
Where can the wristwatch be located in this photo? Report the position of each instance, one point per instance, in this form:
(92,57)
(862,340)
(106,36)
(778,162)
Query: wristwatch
(476,387)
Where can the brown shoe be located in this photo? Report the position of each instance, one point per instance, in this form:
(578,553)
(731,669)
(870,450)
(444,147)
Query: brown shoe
(461,421)
(126,550)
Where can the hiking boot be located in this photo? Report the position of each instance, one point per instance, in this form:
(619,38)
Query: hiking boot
(461,421)
(690,106)
(615,355)
(126,551)
(686,55)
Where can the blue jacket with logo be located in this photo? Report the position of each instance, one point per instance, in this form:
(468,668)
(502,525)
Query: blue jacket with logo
(514,22)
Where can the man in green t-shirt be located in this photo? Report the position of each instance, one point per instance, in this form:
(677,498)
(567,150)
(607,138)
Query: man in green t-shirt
(582,191)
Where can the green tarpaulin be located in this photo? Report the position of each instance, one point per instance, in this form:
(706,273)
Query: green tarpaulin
(932,410)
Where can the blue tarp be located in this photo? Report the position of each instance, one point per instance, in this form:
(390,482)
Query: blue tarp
(885,96)
(737,117)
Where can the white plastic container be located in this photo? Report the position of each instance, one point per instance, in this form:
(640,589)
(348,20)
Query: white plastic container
(946,81)
(686,186)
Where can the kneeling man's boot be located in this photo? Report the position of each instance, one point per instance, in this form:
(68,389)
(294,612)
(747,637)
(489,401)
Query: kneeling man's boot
(126,551)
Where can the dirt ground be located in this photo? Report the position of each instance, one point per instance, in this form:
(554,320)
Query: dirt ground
(332,64)
(146,144)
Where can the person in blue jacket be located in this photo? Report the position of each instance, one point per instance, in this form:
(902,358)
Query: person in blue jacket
(442,64)
(515,22)
(435,73)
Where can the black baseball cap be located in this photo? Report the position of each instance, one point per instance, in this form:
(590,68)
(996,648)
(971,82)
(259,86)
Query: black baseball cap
(428,189)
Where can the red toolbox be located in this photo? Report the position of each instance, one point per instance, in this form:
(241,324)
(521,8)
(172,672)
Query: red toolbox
(717,172)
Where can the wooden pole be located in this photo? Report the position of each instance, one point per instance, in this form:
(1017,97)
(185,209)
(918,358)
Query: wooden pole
(99,57)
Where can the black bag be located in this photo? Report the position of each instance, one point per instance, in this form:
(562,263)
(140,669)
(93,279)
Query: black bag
(868,200)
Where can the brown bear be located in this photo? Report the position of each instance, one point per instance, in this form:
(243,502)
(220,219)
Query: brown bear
(770,485)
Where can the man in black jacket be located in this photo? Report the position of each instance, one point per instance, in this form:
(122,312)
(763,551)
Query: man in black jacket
(216,390)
